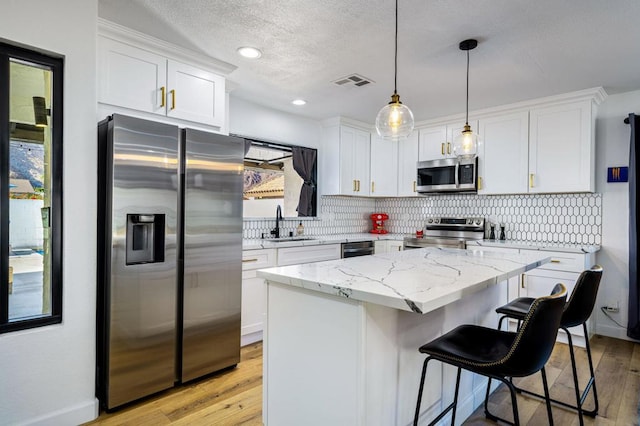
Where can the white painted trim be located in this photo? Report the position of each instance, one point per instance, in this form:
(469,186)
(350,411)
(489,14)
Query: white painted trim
(74,415)
(597,95)
(248,339)
(123,34)
(337,121)
(613,331)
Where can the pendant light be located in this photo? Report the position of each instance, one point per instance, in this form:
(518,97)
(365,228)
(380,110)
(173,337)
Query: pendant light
(395,120)
(466,144)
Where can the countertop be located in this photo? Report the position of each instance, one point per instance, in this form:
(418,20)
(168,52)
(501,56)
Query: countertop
(528,245)
(419,280)
(313,240)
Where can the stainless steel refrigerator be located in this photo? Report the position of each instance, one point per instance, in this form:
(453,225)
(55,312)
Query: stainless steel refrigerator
(169,256)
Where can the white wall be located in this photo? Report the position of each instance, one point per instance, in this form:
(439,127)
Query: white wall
(47,373)
(25,223)
(252,120)
(612,149)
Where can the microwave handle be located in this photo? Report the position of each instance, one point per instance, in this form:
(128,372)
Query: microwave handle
(457,170)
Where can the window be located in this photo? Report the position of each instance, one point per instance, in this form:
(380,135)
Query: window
(30,188)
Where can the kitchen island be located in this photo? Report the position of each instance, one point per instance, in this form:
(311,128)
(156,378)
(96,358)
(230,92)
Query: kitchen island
(342,337)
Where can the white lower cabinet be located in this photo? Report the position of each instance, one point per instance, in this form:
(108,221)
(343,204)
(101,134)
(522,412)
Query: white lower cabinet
(563,268)
(254,302)
(387,246)
(254,305)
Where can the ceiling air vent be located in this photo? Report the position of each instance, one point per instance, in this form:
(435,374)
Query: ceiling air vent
(353,80)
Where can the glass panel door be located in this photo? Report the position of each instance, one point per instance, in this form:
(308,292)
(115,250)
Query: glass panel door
(30,92)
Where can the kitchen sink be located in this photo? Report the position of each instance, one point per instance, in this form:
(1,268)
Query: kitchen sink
(283,239)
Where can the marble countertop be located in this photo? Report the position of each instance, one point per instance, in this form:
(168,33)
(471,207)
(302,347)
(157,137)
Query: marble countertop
(314,240)
(529,245)
(419,280)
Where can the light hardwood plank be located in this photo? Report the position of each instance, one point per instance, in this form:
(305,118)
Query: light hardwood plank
(234,397)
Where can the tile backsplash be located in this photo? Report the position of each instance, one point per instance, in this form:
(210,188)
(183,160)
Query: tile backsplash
(555,218)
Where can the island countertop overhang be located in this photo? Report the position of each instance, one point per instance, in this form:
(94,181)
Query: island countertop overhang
(419,280)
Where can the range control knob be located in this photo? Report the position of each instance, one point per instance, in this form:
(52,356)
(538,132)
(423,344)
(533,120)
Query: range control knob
(436,220)
(478,221)
(430,221)
(469,221)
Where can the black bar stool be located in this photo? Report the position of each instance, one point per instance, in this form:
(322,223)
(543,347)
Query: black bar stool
(499,354)
(576,312)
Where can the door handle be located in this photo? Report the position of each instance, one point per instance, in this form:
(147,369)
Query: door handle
(358,182)
(163,95)
(372,187)
(522,278)
(531,180)
(479,182)
(249,260)
(448,147)
(442,148)
(354,185)
(173,99)
(455,172)
(414,186)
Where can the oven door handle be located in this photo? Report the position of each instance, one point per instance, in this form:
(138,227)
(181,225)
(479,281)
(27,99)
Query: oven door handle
(457,169)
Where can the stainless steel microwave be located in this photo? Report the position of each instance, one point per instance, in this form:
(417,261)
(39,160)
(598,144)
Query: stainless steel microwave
(448,175)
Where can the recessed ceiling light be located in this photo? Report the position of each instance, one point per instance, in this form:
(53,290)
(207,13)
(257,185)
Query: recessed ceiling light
(249,52)
(298,102)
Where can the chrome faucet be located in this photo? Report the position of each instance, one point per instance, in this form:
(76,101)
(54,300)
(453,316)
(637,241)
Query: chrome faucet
(276,231)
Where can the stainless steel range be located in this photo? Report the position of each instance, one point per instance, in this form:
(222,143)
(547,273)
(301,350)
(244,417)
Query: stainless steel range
(448,232)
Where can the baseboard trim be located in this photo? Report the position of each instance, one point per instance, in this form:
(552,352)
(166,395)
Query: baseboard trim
(250,338)
(74,415)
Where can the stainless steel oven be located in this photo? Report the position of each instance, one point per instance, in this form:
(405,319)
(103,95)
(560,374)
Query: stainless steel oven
(448,232)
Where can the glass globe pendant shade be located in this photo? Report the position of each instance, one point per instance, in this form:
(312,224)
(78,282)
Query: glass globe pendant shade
(395,120)
(466,143)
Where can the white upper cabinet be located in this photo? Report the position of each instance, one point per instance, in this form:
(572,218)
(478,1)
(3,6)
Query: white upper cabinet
(503,154)
(131,77)
(195,94)
(344,160)
(407,161)
(433,143)
(148,77)
(561,148)
(135,78)
(437,142)
(384,166)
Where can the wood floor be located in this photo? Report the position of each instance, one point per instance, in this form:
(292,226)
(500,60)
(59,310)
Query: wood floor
(234,397)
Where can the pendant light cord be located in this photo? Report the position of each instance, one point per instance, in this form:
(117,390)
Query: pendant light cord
(467,120)
(395,72)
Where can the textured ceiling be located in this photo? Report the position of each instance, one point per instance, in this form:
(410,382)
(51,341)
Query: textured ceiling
(527,49)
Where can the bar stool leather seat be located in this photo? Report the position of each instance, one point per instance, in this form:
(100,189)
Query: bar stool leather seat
(499,354)
(576,312)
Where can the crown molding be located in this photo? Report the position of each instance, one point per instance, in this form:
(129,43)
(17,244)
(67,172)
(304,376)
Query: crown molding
(596,94)
(140,40)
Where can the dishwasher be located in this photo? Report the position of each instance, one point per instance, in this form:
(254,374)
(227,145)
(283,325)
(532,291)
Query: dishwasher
(360,248)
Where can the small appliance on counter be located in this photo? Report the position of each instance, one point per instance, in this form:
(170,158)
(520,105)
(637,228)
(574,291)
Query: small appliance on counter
(378,223)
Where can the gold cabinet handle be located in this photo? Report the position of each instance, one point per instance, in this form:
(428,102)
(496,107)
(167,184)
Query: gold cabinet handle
(554,261)
(163,95)
(173,99)
(249,260)
(448,147)
(358,181)
(442,148)
(354,185)
(479,182)
(373,187)
(522,278)
(531,180)
(414,186)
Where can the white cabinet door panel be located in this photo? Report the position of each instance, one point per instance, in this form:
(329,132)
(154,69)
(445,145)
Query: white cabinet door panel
(131,77)
(433,143)
(195,94)
(384,167)
(504,154)
(407,169)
